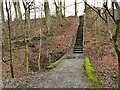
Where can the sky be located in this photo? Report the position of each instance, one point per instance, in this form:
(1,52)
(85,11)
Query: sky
(69,10)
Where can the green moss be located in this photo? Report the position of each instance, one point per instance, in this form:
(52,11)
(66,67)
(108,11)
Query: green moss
(90,72)
(54,64)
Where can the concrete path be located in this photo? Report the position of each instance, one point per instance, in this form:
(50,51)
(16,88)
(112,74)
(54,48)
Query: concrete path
(68,74)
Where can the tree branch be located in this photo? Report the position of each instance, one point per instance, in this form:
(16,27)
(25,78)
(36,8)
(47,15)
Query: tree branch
(113,9)
(112,16)
(98,12)
(118,8)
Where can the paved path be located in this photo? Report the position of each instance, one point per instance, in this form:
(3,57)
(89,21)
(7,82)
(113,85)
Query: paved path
(68,74)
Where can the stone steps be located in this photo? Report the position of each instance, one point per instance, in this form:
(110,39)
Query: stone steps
(78,48)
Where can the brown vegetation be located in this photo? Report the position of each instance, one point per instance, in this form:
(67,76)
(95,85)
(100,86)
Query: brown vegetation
(98,45)
(53,47)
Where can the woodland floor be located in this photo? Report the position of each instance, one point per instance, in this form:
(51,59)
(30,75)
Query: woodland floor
(98,45)
(62,41)
(68,74)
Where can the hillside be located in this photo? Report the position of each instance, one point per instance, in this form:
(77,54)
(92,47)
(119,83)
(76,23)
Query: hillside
(98,45)
(53,47)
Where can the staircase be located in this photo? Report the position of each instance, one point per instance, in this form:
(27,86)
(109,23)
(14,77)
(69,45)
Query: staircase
(78,48)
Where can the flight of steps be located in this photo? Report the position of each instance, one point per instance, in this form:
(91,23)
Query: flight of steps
(78,47)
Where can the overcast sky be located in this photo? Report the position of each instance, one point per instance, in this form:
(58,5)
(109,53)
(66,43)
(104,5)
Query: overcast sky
(69,10)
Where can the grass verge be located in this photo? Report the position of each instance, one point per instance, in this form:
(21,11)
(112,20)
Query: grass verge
(90,72)
(54,64)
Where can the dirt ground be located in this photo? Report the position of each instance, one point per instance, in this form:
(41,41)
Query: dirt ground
(62,41)
(69,73)
(98,45)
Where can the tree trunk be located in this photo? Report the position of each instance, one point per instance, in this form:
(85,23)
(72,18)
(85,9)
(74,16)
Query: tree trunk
(60,9)
(15,7)
(47,14)
(10,39)
(75,7)
(34,10)
(117,49)
(2,14)
(64,8)
(118,53)
(26,44)
(10,14)
(19,10)
(40,50)
(56,8)
(46,8)
(119,74)
(118,8)
(28,22)
(25,40)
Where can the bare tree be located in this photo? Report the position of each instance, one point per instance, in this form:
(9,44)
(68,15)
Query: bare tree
(19,10)
(40,50)
(25,40)
(3,25)
(56,8)
(47,14)
(114,36)
(60,7)
(34,10)
(3,20)
(75,7)
(10,36)
(64,8)
(15,7)
(2,13)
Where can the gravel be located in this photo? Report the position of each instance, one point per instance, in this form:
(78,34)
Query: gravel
(68,74)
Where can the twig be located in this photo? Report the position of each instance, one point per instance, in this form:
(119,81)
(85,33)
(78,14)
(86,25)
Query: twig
(98,12)
(105,6)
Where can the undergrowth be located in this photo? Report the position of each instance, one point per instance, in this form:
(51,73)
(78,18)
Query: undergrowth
(90,72)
